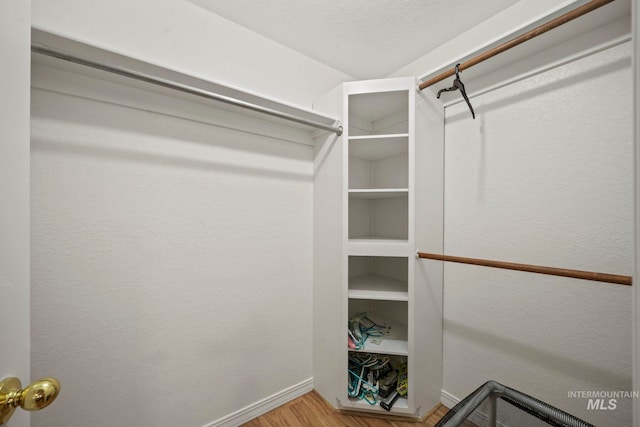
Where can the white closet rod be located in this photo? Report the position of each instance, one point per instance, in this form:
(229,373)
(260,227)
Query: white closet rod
(44,50)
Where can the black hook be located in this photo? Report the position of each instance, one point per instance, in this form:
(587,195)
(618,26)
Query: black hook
(458,85)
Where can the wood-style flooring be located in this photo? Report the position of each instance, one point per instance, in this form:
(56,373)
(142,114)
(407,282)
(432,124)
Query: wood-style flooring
(313,410)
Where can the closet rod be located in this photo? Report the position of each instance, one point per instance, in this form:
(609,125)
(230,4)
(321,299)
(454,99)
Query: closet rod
(560,20)
(44,50)
(578,274)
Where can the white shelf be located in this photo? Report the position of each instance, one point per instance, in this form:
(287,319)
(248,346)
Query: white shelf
(185,111)
(378,193)
(398,347)
(379,137)
(375,246)
(400,407)
(395,345)
(377,288)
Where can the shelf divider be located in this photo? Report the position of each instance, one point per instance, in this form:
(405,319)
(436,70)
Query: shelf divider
(378,193)
(375,287)
(387,136)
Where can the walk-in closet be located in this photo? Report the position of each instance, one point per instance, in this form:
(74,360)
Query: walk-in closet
(307,213)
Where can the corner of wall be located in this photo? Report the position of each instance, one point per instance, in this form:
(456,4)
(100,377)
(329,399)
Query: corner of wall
(265,405)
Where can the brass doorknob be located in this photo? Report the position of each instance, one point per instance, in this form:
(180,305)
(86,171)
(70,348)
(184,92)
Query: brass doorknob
(36,396)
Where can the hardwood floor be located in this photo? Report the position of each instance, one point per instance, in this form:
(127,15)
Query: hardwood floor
(313,410)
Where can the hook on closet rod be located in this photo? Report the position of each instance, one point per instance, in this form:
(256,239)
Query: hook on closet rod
(158,81)
(541,29)
(564,272)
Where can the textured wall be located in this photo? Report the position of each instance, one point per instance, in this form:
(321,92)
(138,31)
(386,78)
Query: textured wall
(181,36)
(171,261)
(636,273)
(14,194)
(543,176)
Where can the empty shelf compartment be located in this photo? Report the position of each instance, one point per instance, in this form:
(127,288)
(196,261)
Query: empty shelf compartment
(378,278)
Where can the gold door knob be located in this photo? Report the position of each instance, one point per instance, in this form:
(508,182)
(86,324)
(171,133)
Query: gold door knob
(36,396)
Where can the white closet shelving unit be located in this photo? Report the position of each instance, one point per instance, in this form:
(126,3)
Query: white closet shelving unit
(378,197)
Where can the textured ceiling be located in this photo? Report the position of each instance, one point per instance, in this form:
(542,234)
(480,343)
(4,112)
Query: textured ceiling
(363,38)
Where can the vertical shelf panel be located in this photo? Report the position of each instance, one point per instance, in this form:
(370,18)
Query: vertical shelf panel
(378,193)
(370,187)
(329,316)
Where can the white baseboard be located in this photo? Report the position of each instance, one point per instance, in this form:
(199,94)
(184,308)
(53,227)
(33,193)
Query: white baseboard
(448,399)
(263,406)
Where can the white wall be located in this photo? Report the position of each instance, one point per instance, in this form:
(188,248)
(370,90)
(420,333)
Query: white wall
(195,257)
(181,36)
(543,176)
(171,258)
(14,194)
(636,272)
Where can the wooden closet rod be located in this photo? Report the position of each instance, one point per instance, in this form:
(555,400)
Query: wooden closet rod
(578,274)
(560,20)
